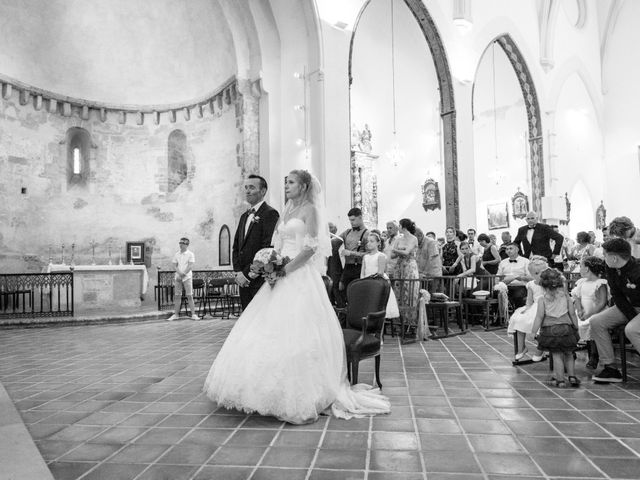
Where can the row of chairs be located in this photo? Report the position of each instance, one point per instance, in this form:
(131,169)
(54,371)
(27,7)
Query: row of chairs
(217,297)
(451,302)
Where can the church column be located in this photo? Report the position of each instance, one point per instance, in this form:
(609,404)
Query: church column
(248,122)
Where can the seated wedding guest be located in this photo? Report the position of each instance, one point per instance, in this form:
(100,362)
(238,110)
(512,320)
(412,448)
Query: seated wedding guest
(335,265)
(429,262)
(392,237)
(623,276)
(592,238)
(493,239)
(431,235)
(506,240)
(461,236)
(582,249)
(475,247)
(622,227)
(515,269)
(469,265)
(449,252)
(490,257)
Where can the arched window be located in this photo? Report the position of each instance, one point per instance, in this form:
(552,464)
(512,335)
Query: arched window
(78,148)
(177,159)
(224,246)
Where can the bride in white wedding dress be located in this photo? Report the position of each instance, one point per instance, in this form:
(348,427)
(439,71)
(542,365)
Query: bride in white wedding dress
(285,356)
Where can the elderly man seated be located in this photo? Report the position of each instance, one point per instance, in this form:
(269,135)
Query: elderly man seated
(515,269)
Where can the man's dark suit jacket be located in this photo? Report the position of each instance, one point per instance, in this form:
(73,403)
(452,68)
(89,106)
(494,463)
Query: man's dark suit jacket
(246,246)
(539,242)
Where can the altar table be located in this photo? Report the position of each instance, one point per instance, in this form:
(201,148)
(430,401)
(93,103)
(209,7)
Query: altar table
(106,286)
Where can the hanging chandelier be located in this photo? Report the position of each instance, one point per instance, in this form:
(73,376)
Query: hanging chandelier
(395,153)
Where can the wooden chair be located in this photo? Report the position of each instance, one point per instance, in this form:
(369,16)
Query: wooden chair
(441,312)
(232,293)
(366,308)
(215,301)
(488,308)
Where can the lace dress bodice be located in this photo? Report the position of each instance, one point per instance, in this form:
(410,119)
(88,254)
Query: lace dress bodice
(292,236)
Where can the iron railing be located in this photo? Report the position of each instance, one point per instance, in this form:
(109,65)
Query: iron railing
(36,295)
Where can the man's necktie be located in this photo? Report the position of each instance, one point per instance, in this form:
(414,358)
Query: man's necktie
(356,229)
(513,261)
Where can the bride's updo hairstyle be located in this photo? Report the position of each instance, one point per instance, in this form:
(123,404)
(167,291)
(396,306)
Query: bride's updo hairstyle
(305,179)
(408,225)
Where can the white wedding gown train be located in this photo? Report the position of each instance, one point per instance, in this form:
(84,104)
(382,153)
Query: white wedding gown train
(285,356)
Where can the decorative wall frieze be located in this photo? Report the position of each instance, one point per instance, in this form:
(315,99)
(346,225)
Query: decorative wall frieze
(209,104)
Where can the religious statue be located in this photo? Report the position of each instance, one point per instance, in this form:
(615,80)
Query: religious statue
(361,139)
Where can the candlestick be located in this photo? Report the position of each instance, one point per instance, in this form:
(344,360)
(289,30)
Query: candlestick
(62,260)
(119,256)
(110,263)
(73,254)
(50,257)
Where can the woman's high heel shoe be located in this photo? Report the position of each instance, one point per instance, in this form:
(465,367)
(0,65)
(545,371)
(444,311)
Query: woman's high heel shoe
(520,356)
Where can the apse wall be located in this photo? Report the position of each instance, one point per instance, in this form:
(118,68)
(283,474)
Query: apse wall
(126,196)
(417,112)
(500,137)
(120,51)
(622,125)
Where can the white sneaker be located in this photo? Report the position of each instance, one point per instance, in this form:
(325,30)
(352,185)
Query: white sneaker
(172,318)
(195,317)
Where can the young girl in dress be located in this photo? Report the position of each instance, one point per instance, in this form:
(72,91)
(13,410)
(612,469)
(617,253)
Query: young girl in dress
(590,296)
(521,321)
(556,319)
(374,262)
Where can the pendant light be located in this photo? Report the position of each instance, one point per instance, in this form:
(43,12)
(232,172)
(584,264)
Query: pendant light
(394,154)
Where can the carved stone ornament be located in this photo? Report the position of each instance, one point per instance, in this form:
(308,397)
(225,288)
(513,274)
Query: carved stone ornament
(601,216)
(430,195)
(566,199)
(520,204)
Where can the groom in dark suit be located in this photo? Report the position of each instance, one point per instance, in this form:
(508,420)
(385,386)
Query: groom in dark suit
(254,232)
(534,239)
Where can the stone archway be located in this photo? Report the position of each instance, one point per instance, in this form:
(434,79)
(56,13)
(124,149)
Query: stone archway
(534,120)
(447,104)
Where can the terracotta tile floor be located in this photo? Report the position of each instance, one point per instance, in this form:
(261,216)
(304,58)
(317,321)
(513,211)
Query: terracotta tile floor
(123,402)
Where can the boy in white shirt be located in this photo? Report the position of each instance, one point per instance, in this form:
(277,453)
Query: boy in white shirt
(183,262)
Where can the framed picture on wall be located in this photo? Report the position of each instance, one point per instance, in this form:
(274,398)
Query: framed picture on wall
(135,253)
(498,216)
(430,195)
(520,204)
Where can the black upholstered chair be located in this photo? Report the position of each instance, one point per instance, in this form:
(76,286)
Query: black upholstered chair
(364,320)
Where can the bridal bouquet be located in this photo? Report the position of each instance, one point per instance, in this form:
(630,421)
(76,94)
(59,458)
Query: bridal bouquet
(269,264)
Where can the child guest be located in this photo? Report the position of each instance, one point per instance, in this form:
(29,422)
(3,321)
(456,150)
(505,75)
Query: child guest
(556,319)
(374,262)
(590,296)
(521,321)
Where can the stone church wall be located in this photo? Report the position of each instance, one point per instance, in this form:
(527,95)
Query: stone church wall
(126,196)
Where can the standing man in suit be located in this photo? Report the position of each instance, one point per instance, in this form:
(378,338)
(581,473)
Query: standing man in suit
(254,232)
(534,238)
(335,265)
